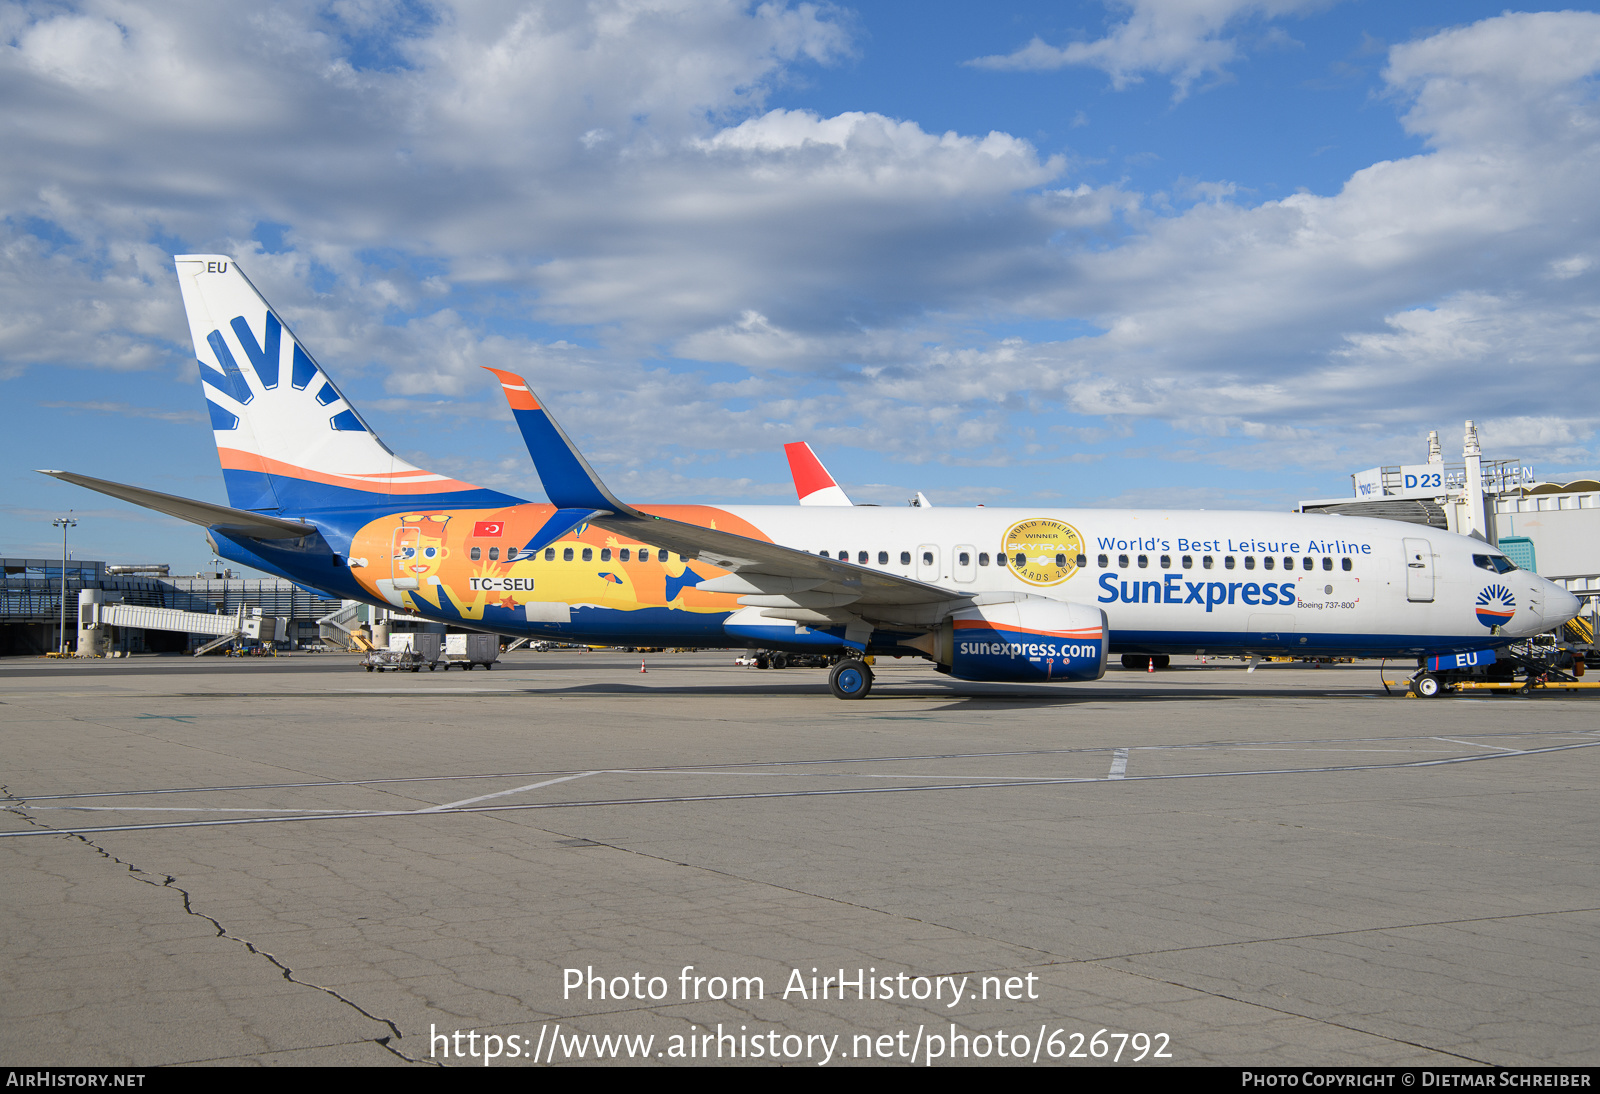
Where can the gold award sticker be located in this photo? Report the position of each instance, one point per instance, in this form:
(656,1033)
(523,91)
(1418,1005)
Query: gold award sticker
(1042,551)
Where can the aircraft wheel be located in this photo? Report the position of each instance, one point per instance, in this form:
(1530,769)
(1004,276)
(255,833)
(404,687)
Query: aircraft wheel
(1162,661)
(1427,686)
(1136,661)
(369,668)
(761,661)
(488,665)
(850,679)
(780,661)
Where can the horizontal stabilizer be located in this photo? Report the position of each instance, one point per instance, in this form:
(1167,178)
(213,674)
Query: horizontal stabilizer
(204,513)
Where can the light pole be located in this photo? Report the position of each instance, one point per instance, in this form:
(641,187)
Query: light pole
(64,523)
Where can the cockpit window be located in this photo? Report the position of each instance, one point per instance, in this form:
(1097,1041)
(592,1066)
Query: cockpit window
(1498,564)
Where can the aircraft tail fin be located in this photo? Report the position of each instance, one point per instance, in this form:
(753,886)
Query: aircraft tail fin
(288,439)
(812,482)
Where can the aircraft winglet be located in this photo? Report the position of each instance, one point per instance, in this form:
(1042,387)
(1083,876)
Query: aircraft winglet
(569,481)
(812,482)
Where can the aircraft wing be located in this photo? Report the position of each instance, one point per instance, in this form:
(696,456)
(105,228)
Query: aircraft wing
(204,513)
(763,573)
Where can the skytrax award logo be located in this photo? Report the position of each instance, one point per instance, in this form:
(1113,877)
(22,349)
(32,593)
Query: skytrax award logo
(1043,551)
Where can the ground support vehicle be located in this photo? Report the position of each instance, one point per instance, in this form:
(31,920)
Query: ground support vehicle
(401,660)
(1520,669)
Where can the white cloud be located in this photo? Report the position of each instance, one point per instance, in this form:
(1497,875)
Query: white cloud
(612,166)
(1179,39)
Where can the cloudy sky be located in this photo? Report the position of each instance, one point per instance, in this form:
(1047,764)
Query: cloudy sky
(1196,253)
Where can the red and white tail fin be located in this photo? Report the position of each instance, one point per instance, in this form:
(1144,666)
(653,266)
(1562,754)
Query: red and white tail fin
(811,480)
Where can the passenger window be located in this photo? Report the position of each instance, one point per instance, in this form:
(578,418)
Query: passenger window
(1306,564)
(963,559)
(1206,562)
(1103,561)
(494,554)
(1288,564)
(549,554)
(883,558)
(1345,563)
(1327,562)
(683,558)
(983,558)
(644,554)
(1061,562)
(605,554)
(905,558)
(844,556)
(1250,562)
(1269,562)
(588,554)
(1166,562)
(1188,562)
(1144,562)
(862,558)
(477,553)
(1122,562)
(927,558)
(511,553)
(622,555)
(566,554)
(1082,561)
(824,554)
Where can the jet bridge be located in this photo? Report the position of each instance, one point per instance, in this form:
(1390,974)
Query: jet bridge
(95,614)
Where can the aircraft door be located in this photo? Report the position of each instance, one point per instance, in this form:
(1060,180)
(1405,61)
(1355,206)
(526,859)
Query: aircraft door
(927,563)
(1419,570)
(966,566)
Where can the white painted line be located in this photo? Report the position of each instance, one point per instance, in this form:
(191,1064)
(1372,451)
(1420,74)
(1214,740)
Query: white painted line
(503,793)
(1475,744)
(1119,764)
(174,809)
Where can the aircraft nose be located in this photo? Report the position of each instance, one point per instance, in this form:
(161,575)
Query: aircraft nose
(1559,606)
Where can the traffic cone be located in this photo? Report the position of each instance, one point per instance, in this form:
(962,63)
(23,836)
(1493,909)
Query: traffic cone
(641,665)
(1150,665)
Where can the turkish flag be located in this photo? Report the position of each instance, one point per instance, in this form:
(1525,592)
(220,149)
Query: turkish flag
(490,529)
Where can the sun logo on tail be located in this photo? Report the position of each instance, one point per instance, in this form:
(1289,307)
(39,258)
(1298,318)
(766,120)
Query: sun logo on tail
(1496,606)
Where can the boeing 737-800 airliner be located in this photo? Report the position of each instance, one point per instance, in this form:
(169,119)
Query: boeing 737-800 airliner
(1032,594)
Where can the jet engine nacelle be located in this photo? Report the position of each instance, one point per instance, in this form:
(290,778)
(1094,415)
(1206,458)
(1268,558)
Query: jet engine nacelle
(1034,639)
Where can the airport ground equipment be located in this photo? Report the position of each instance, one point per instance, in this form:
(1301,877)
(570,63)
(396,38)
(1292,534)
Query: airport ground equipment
(393,660)
(467,650)
(427,645)
(346,620)
(1522,669)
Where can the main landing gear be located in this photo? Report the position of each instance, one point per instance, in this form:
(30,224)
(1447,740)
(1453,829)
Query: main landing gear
(850,679)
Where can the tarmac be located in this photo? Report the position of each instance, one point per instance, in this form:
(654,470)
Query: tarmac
(564,860)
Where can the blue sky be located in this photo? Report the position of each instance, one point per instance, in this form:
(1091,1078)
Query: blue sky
(1194,253)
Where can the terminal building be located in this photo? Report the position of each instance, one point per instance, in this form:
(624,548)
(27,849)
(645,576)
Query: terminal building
(31,615)
(1550,528)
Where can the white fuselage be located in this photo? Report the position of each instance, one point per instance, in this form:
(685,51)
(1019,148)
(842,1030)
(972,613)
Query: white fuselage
(1182,581)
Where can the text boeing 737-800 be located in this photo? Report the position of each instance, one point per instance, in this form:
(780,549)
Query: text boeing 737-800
(1026,595)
